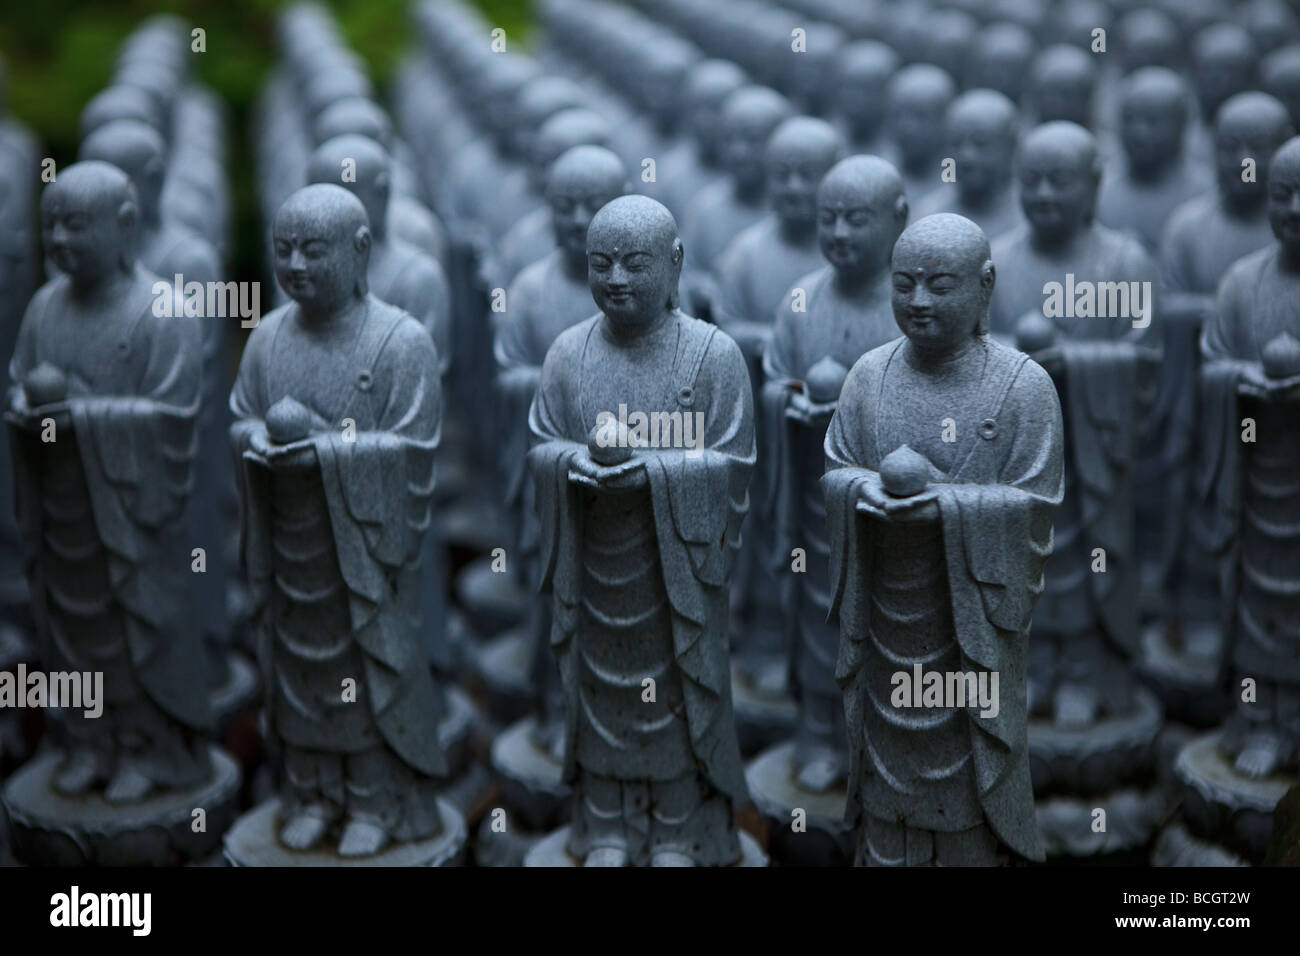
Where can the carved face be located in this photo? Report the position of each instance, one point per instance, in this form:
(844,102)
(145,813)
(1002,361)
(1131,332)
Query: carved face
(315,262)
(1237,141)
(793,173)
(742,153)
(1058,191)
(983,147)
(1151,131)
(82,232)
(632,271)
(916,118)
(939,295)
(573,203)
(856,227)
(1284,202)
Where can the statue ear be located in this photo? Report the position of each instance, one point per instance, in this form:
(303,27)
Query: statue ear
(126,214)
(361,239)
(901,210)
(381,184)
(679,252)
(988,275)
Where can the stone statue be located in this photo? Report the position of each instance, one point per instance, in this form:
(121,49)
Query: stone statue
(638,539)
(1157,175)
(337,411)
(102,416)
(544,300)
(1062,82)
(936,550)
(1279,76)
(754,274)
(982,128)
(1224,63)
(862,82)
(533,236)
(1086,621)
(695,160)
(843,311)
(1252,374)
(1001,58)
(919,96)
(1081,300)
(401,274)
(722,211)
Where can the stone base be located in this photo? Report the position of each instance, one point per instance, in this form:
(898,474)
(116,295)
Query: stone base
(551,851)
(826,840)
(493,600)
(530,777)
(1178,847)
(497,848)
(50,829)
(501,664)
(1185,682)
(1223,806)
(238,693)
(252,841)
(763,719)
(1132,817)
(1110,755)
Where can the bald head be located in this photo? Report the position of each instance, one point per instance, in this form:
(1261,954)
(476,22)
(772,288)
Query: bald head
(361,166)
(116,103)
(1249,126)
(138,150)
(749,116)
(357,115)
(89,220)
(1284,197)
(1224,60)
(1153,115)
(982,127)
(634,260)
(561,132)
(708,85)
(1061,85)
(862,77)
(943,279)
(861,209)
(580,183)
(1000,58)
(798,155)
(919,95)
(321,239)
(1280,77)
(1059,172)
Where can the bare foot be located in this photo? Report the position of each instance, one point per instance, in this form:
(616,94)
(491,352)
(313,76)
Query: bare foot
(305,828)
(76,774)
(127,786)
(671,858)
(1076,706)
(606,856)
(1260,756)
(362,838)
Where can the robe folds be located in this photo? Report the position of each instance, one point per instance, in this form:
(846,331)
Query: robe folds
(996,510)
(698,500)
(377,487)
(134,390)
(1247,492)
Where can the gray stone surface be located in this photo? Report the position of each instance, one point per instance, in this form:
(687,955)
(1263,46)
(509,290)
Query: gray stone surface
(911,572)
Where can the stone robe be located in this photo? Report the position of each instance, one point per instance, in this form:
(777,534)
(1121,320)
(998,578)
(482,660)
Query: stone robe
(998,485)
(102,512)
(640,579)
(333,549)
